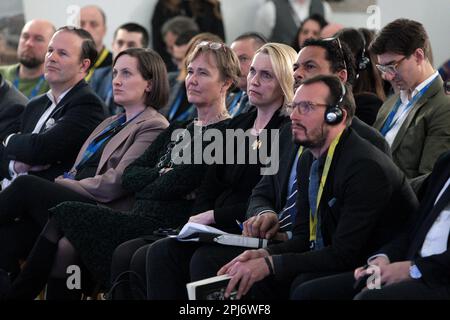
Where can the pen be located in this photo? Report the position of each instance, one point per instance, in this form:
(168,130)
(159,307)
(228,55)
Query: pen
(239,224)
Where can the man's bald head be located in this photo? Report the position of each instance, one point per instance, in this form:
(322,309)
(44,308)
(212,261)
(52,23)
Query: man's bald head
(33,43)
(93,20)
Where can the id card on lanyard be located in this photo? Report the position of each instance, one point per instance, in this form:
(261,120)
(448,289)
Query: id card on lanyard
(314,218)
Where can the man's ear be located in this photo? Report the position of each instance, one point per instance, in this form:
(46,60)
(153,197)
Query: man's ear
(342,75)
(419,54)
(344,115)
(85,64)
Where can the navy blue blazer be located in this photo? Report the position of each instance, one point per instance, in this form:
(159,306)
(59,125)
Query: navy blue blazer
(60,139)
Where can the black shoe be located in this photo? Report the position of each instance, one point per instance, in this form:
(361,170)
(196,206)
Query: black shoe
(5,284)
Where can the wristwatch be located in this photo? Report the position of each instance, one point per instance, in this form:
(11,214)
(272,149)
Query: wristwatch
(414,272)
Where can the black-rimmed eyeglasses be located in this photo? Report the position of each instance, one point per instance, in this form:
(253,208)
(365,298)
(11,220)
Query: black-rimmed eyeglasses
(304,107)
(391,68)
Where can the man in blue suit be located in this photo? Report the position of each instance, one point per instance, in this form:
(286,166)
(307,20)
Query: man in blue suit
(129,35)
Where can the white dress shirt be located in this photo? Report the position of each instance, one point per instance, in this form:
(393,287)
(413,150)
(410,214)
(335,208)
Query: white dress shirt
(403,111)
(437,237)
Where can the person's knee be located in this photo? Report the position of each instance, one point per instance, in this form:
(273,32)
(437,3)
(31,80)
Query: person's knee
(159,252)
(65,248)
(373,294)
(302,291)
(200,265)
(24,183)
(123,253)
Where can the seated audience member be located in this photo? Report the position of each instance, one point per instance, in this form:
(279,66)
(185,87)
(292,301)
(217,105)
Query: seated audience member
(414,121)
(362,199)
(245,47)
(93,20)
(28,75)
(55,125)
(309,29)
(173,28)
(129,35)
(179,108)
(271,211)
(330,30)
(206,13)
(414,266)
(368,87)
(12,104)
(323,56)
(278,20)
(223,195)
(162,182)
(140,85)
(180,48)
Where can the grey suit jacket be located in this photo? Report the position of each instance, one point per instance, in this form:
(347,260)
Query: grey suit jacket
(119,152)
(424,135)
(12,104)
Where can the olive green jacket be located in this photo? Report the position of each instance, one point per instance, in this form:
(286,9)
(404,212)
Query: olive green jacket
(424,135)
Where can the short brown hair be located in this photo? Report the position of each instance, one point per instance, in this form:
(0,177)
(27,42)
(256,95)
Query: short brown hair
(402,36)
(88,47)
(151,67)
(334,84)
(226,59)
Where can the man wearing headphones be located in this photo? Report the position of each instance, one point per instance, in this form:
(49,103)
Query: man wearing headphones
(351,198)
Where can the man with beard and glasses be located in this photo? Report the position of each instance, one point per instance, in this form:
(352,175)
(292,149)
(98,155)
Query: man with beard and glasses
(28,75)
(351,197)
(271,209)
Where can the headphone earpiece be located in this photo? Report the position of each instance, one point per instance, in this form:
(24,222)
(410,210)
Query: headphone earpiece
(334,114)
(364,60)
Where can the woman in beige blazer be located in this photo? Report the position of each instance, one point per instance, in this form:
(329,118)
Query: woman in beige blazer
(140,85)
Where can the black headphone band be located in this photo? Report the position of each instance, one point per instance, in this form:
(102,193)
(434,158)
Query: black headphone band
(334,114)
(364,60)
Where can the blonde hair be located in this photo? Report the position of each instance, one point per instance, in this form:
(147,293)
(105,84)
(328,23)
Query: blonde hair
(282,58)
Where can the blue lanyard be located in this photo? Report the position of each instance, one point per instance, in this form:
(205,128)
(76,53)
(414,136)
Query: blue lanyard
(232,109)
(176,105)
(114,127)
(109,95)
(36,88)
(389,124)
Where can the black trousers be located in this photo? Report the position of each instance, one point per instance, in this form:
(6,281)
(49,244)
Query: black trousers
(340,287)
(128,274)
(170,264)
(24,212)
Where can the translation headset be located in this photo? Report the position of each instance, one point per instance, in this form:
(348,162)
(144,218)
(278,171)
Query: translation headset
(364,60)
(334,114)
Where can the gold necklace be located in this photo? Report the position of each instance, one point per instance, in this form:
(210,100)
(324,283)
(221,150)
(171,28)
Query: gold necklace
(221,116)
(257,143)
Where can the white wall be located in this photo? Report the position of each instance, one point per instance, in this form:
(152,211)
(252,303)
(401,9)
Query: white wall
(238,16)
(117,12)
